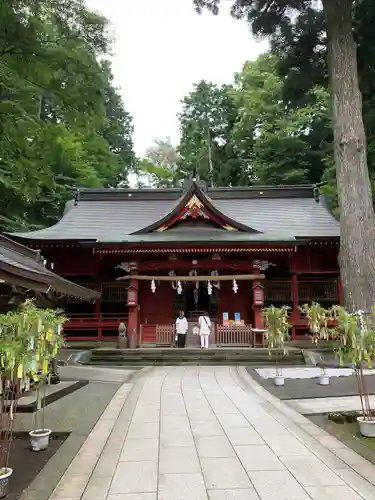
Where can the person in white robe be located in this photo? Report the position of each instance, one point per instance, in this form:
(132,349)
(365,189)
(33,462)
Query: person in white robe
(204,329)
(181,329)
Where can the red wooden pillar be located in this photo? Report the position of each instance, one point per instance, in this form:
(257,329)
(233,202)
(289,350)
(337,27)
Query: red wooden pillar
(295,304)
(258,299)
(339,292)
(133,324)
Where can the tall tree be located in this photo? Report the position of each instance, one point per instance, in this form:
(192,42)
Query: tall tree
(62,123)
(207,119)
(160,165)
(302,54)
(357,221)
(284,145)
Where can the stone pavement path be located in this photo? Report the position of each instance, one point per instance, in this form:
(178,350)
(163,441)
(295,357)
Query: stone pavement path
(199,433)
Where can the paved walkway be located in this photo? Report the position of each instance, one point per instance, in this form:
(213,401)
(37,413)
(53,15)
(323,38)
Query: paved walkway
(95,373)
(198,433)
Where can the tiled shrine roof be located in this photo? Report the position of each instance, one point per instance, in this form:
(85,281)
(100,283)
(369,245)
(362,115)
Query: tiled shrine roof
(232,215)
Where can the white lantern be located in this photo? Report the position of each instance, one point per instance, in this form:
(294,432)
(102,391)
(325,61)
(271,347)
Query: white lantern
(153,286)
(235,286)
(179,287)
(209,288)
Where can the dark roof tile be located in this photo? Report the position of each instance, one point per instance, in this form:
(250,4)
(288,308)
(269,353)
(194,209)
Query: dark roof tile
(112,215)
(22,266)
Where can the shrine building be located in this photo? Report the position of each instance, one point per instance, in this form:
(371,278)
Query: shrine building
(227,251)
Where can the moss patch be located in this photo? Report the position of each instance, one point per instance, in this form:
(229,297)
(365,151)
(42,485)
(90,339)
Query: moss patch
(348,433)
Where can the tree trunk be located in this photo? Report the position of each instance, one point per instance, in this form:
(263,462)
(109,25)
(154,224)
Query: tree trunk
(357,222)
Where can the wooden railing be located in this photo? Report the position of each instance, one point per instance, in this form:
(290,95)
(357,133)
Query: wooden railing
(159,335)
(234,335)
(147,334)
(90,320)
(165,334)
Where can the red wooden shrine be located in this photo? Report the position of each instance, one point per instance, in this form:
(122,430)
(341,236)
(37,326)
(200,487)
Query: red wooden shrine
(132,245)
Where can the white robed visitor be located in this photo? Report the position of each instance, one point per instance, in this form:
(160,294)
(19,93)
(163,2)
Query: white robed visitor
(181,330)
(204,330)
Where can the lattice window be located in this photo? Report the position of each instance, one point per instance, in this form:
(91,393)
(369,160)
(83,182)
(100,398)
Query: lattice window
(114,293)
(277,291)
(318,291)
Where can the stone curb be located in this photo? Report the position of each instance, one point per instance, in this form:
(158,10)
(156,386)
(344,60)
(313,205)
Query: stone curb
(47,478)
(340,458)
(94,465)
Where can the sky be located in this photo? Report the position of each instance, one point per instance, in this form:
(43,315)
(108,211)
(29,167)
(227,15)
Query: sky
(162,48)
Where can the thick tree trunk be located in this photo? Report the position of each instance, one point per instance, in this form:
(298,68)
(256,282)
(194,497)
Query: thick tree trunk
(357,221)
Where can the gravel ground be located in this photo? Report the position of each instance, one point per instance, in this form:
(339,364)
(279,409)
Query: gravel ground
(309,388)
(32,464)
(76,412)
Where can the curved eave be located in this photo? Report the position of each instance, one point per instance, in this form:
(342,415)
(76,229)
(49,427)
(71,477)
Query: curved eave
(22,266)
(195,190)
(44,282)
(25,238)
(292,243)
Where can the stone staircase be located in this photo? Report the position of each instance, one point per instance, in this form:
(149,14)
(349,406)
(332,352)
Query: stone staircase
(192,340)
(190,356)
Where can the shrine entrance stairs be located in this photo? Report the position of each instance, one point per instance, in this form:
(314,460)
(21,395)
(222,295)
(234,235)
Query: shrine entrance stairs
(191,356)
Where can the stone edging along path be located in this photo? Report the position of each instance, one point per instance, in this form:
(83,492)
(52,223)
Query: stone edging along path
(326,447)
(55,470)
(92,469)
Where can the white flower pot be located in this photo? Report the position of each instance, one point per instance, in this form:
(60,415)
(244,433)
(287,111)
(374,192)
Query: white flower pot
(366,427)
(39,439)
(323,379)
(5,474)
(278,380)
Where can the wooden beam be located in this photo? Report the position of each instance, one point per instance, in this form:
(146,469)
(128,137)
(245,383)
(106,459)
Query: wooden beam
(237,277)
(234,266)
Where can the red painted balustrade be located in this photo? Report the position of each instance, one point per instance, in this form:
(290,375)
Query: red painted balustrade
(98,322)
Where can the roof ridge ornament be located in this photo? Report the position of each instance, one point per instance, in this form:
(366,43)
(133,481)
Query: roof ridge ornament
(196,203)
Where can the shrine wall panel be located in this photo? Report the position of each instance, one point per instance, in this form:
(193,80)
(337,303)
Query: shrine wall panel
(231,302)
(73,262)
(315,258)
(156,307)
(299,261)
(323,257)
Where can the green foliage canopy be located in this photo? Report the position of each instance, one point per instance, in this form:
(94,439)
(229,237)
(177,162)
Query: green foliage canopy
(62,122)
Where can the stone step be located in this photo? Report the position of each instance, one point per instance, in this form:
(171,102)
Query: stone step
(174,356)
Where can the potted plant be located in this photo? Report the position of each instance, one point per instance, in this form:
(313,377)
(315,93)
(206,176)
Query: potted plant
(276,333)
(14,361)
(356,339)
(46,341)
(318,317)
